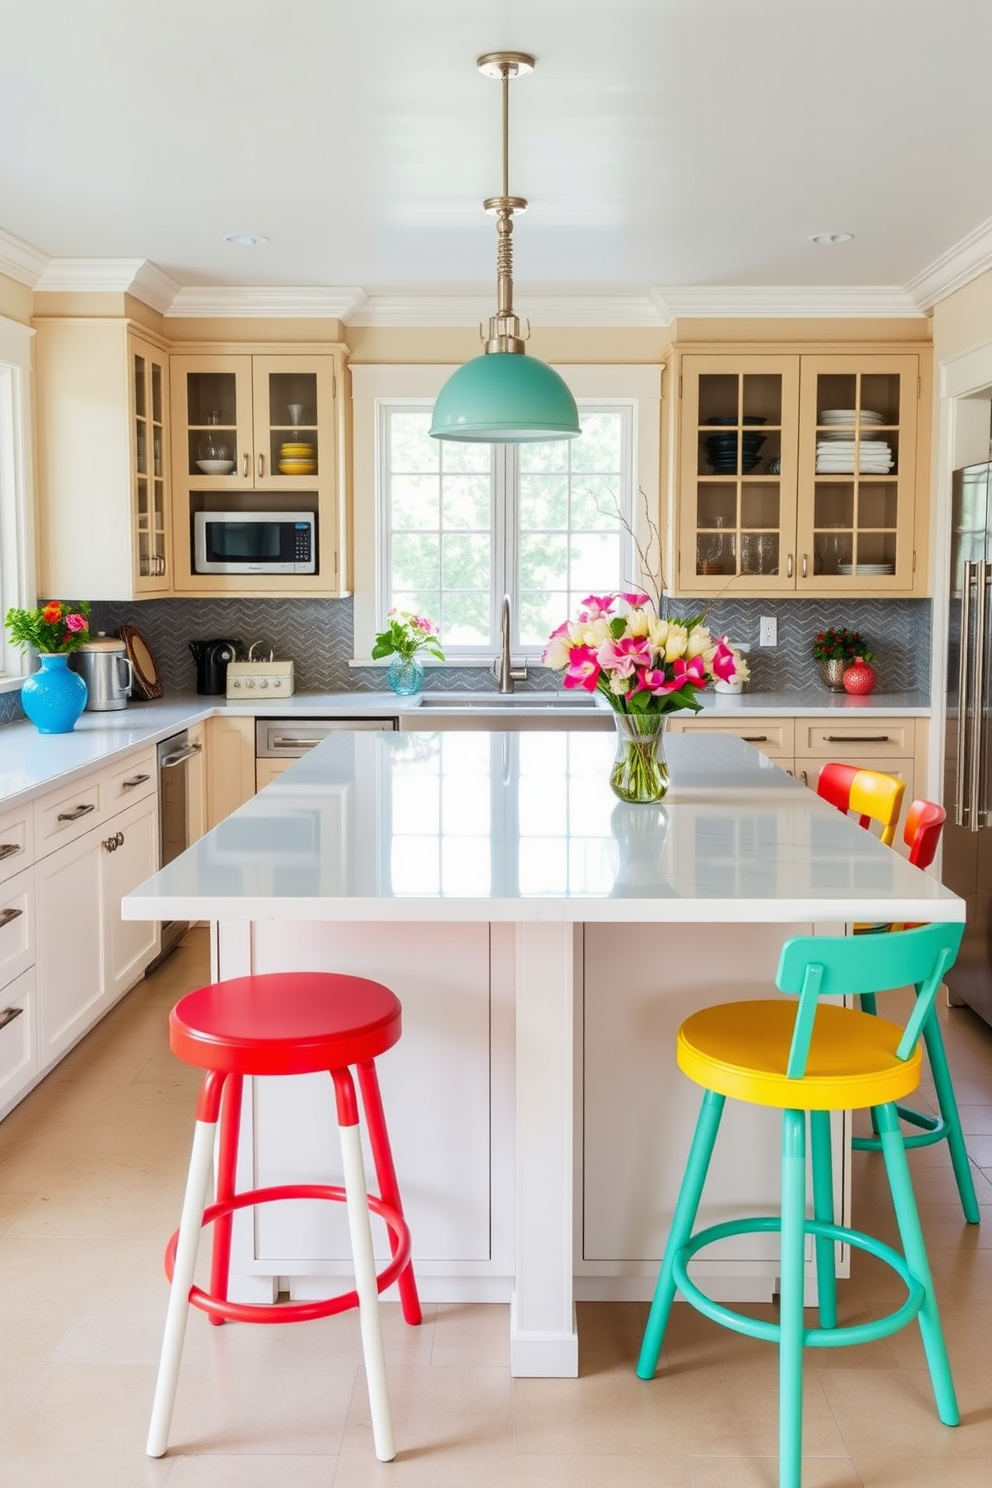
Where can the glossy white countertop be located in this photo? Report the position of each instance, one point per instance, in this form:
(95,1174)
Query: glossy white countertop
(523,826)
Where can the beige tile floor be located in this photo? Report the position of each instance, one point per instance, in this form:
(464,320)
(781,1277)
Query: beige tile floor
(91,1169)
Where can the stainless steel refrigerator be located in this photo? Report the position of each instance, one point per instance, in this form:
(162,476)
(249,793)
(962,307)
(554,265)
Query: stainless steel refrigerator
(967,860)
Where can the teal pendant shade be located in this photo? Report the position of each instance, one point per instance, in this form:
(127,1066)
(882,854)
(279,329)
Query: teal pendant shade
(505,398)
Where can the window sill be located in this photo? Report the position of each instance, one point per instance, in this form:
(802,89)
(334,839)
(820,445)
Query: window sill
(486,659)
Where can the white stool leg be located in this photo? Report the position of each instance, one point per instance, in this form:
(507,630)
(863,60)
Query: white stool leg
(368,1292)
(200,1163)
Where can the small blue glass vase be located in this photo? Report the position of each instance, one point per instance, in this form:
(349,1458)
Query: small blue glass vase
(54,697)
(405,675)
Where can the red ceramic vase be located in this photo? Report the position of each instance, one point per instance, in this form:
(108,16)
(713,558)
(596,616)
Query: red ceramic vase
(859,678)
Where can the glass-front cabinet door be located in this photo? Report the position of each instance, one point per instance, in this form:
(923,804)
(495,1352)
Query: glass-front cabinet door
(738,474)
(292,399)
(149,466)
(857,463)
(214,446)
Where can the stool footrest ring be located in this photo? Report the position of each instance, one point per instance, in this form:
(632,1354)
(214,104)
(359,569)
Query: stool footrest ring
(840,1337)
(931,1129)
(295,1312)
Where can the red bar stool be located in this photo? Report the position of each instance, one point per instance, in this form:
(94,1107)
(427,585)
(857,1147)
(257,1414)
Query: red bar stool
(293,1023)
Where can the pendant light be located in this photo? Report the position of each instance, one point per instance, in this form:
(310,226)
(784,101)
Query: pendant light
(505,396)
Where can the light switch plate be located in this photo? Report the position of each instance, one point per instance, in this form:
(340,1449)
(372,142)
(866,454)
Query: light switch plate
(768,631)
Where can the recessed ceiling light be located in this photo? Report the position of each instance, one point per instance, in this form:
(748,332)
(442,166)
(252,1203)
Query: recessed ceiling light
(835,237)
(246,240)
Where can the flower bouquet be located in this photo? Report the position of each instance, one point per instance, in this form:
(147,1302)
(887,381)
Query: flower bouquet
(52,629)
(833,651)
(54,697)
(646,668)
(404,636)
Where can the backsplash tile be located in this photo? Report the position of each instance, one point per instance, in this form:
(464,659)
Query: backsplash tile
(317,635)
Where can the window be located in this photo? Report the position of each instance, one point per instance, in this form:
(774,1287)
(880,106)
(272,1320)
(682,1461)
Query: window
(15,487)
(457,526)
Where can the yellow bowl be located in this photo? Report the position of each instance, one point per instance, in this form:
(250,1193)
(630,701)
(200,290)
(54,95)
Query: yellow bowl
(304,451)
(297,467)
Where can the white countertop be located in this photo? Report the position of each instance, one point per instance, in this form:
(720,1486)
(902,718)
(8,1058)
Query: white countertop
(31,762)
(523,826)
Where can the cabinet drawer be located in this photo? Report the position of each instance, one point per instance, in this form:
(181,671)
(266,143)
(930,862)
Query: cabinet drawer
(16,840)
(18,1040)
(772,736)
(17,932)
(64,816)
(132,781)
(867,739)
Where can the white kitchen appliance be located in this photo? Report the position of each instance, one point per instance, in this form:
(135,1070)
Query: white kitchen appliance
(251,542)
(260,679)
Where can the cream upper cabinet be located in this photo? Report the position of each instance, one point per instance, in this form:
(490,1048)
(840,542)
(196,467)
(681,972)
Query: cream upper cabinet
(260,433)
(797,474)
(103,453)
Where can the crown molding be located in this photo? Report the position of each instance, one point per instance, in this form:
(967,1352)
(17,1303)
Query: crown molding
(754,301)
(319,302)
(137,276)
(473,310)
(20,260)
(955,268)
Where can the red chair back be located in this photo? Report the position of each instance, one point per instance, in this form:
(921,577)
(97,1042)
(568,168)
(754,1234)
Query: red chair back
(924,822)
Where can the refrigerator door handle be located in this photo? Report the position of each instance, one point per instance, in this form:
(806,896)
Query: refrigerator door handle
(978,697)
(967,579)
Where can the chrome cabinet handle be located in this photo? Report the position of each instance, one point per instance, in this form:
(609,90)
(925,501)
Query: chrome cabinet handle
(856,739)
(261,465)
(8,849)
(9,915)
(978,679)
(75,815)
(295,743)
(138,780)
(963,659)
(804,566)
(8,1015)
(788,567)
(247,465)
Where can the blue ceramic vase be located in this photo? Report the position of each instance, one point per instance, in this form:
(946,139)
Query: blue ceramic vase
(54,697)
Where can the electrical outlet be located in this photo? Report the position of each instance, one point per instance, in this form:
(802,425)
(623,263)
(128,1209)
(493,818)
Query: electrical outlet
(768,631)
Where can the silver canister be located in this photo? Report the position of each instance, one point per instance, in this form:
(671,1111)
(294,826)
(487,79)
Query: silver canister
(104,667)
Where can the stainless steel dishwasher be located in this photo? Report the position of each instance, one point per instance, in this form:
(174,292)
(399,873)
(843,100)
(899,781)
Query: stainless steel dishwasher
(279,741)
(173,756)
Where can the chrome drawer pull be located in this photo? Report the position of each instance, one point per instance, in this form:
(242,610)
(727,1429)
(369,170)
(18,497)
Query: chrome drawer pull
(138,780)
(9,915)
(8,1015)
(857,739)
(8,849)
(295,743)
(190,751)
(755,738)
(75,815)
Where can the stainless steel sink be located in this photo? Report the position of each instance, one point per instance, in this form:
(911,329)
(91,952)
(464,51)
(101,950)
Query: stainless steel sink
(495,702)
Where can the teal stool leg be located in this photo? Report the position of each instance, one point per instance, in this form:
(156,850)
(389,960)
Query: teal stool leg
(791,1322)
(823,1208)
(915,1251)
(951,1116)
(683,1220)
(869,1004)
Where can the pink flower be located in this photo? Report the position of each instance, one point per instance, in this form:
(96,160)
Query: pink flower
(621,657)
(595,606)
(657,683)
(583,669)
(75,621)
(724,662)
(636,601)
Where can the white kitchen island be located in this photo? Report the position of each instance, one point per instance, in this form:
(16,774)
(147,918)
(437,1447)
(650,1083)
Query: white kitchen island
(545,941)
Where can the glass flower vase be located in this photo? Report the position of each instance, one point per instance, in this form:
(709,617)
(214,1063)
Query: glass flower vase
(405,675)
(640,769)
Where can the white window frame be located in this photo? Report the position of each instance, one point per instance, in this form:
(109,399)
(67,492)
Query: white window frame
(17,577)
(378,387)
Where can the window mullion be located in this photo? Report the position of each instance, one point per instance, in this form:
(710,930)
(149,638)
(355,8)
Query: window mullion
(505,483)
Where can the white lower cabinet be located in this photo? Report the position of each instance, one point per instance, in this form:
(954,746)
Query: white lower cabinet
(18,1039)
(87,955)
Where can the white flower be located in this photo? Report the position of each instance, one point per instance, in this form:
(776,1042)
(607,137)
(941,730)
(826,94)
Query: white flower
(699,640)
(595,633)
(620,686)
(743,670)
(678,639)
(556,652)
(638,623)
(658,632)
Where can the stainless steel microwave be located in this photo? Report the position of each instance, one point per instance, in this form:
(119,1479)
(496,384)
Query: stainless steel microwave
(250,542)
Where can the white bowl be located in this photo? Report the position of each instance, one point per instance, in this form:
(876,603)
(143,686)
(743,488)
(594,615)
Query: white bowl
(215,467)
(733,687)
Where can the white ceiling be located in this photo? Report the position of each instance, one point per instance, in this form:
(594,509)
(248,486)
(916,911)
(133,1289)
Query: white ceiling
(693,143)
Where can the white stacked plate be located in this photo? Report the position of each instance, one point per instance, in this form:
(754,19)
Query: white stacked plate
(866,570)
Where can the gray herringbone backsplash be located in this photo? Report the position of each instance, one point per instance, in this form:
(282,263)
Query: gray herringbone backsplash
(317,635)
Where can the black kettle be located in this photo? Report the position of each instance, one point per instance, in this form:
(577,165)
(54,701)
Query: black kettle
(211,659)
